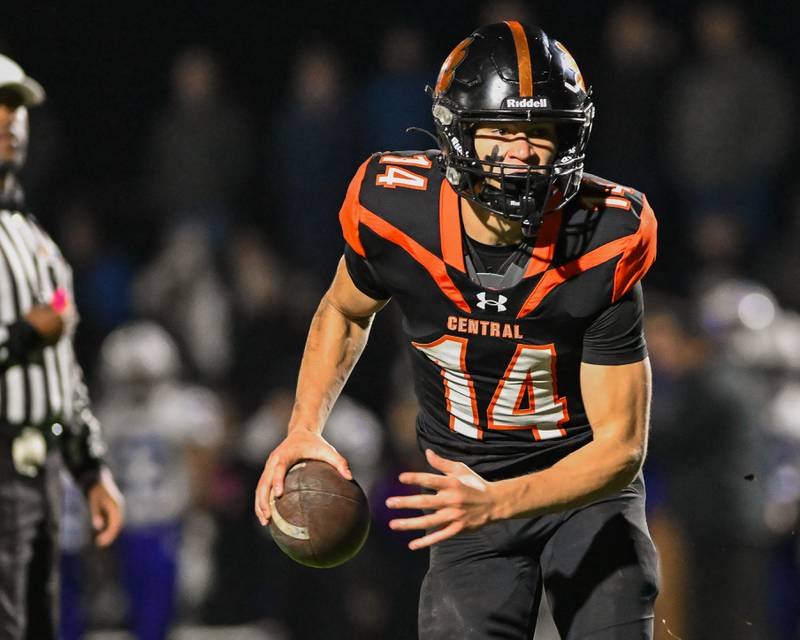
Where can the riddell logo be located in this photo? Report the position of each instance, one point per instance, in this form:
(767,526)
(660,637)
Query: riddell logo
(526,103)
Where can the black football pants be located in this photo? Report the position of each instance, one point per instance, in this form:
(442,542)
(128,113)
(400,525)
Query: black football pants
(597,565)
(29,556)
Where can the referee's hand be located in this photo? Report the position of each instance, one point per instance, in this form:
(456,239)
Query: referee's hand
(47,323)
(106,508)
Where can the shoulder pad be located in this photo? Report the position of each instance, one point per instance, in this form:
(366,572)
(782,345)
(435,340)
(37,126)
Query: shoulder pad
(640,251)
(597,193)
(394,186)
(349,213)
(621,218)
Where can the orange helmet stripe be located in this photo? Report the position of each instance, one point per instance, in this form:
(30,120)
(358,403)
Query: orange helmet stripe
(448,69)
(523,58)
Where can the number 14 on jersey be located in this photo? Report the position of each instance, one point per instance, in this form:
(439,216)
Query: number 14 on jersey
(525,398)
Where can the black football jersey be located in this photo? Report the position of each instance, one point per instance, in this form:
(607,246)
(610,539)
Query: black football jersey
(496,371)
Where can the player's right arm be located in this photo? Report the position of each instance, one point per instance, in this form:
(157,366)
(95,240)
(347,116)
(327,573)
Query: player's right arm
(336,338)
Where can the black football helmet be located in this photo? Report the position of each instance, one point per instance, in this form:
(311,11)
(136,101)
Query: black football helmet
(510,72)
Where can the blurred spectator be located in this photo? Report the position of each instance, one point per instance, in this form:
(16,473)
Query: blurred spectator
(75,540)
(311,160)
(44,155)
(183,290)
(394,98)
(761,336)
(782,508)
(720,243)
(162,435)
(272,305)
(102,273)
(707,446)
(779,264)
(729,120)
(351,428)
(492,12)
(629,88)
(627,142)
(200,154)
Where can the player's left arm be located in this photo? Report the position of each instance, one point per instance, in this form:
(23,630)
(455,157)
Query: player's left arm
(617,402)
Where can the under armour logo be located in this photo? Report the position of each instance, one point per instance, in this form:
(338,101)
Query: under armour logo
(499,303)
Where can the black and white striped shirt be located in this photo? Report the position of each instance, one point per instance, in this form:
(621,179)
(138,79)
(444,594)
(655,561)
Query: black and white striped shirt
(43,387)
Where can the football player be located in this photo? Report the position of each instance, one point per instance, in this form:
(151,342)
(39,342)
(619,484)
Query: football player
(517,276)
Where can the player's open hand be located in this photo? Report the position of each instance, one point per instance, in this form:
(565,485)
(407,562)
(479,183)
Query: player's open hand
(462,501)
(300,444)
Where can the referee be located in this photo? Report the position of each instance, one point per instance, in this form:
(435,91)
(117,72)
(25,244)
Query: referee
(44,407)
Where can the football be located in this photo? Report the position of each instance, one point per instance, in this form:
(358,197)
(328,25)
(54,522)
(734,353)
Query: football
(322,519)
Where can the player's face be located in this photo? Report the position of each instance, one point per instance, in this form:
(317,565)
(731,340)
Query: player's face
(13,130)
(515,143)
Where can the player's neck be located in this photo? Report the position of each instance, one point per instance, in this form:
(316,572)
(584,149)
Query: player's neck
(486,227)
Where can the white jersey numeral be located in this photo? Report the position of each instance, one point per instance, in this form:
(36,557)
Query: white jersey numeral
(418,160)
(526,398)
(450,354)
(399,177)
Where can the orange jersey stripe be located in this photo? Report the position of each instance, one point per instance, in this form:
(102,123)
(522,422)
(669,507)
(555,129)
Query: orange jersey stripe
(434,265)
(523,58)
(348,214)
(450,227)
(639,254)
(559,275)
(545,245)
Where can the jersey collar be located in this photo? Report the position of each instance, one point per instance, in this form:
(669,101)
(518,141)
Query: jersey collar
(450,231)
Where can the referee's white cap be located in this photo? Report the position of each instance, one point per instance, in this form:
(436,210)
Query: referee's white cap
(13,77)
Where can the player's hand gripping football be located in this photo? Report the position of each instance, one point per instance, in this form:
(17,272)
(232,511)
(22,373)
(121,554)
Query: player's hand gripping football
(300,444)
(463,501)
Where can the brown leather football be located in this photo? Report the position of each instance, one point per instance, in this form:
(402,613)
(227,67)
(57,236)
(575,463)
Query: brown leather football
(322,519)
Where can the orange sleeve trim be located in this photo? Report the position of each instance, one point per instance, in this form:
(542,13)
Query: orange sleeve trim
(639,255)
(434,265)
(559,275)
(523,58)
(450,227)
(349,213)
(545,246)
